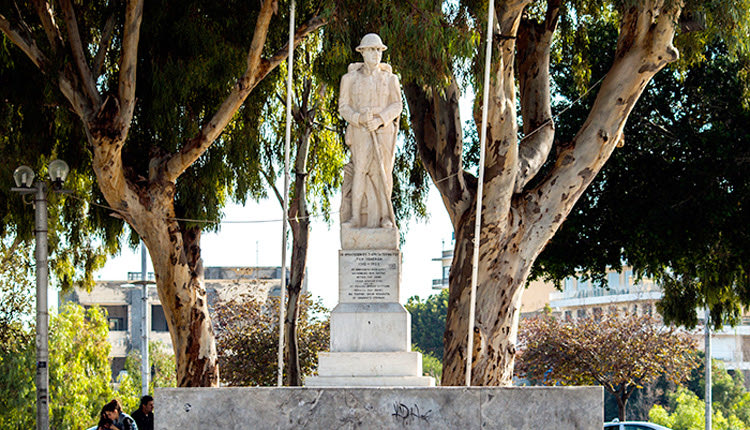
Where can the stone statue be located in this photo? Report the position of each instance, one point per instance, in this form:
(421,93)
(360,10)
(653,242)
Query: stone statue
(370,101)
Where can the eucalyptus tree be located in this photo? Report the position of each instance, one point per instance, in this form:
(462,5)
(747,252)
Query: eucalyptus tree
(433,44)
(161,99)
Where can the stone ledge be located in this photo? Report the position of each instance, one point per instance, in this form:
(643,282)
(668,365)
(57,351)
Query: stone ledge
(370,364)
(516,408)
(369,381)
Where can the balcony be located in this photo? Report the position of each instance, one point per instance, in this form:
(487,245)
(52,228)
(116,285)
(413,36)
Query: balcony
(439,284)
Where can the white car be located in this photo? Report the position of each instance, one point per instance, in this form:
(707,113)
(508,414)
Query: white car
(632,425)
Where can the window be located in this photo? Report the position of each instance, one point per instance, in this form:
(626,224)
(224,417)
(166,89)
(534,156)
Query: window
(158,320)
(116,324)
(581,313)
(568,315)
(446,273)
(569,284)
(613,280)
(117,317)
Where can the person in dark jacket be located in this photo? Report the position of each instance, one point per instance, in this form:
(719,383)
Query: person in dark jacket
(144,415)
(123,421)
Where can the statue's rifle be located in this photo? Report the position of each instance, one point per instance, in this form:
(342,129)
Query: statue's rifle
(381,171)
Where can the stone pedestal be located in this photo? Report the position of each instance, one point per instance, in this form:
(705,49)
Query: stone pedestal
(437,408)
(370,329)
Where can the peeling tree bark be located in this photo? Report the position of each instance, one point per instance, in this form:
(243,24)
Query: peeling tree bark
(517,222)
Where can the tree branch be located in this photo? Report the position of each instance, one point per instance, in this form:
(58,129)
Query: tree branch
(308,27)
(269,179)
(101,52)
(25,42)
(533,54)
(76,48)
(501,151)
(44,10)
(639,58)
(128,65)
(257,70)
(436,122)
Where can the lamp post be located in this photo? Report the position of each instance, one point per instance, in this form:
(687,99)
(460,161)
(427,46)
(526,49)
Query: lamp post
(24,179)
(143,283)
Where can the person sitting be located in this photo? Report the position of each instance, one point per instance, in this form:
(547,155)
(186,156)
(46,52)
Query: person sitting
(122,421)
(144,415)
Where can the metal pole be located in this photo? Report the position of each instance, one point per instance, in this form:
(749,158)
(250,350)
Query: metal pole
(480,186)
(708,368)
(145,373)
(287,144)
(42,315)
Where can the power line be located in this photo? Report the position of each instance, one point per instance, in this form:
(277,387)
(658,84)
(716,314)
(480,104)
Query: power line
(206,221)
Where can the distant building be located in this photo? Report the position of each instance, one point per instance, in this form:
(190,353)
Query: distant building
(122,301)
(581,298)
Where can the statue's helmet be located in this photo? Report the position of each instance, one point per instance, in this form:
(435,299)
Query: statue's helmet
(371,40)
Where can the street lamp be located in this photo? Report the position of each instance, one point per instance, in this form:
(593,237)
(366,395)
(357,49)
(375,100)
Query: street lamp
(24,179)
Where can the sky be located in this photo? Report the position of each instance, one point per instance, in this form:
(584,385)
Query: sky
(259,244)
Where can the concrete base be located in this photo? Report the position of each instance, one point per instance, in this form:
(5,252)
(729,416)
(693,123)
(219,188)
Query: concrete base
(513,408)
(369,381)
(370,327)
(370,369)
(370,363)
(368,238)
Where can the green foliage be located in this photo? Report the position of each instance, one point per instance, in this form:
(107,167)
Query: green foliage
(431,365)
(162,374)
(689,413)
(728,392)
(79,371)
(16,286)
(247,336)
(425,38)
(315,112)
(17,387)
(428,322)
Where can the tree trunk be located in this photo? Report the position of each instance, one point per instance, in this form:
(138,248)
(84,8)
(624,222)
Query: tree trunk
(300,223)
(517,222)
(176,258)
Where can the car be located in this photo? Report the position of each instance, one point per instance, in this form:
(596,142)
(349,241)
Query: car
(632,425)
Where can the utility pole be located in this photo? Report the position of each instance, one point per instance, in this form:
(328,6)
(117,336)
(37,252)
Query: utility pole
(707,319)
(42,313)
(145,370)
